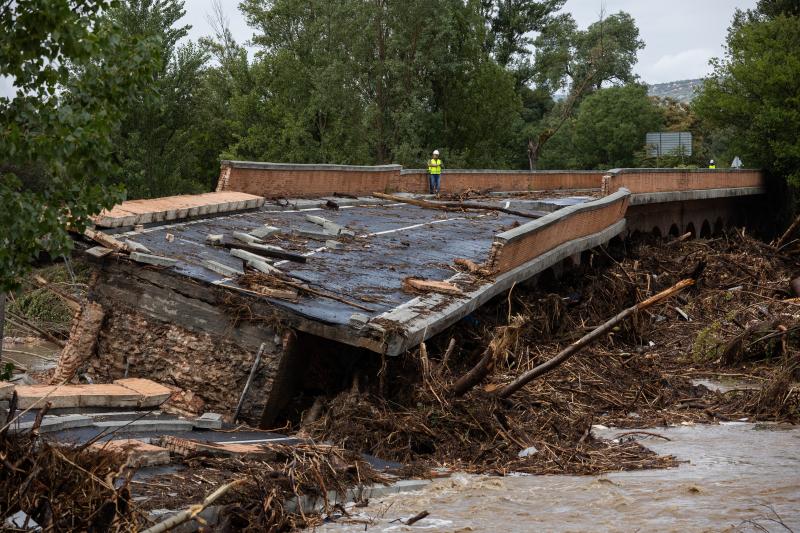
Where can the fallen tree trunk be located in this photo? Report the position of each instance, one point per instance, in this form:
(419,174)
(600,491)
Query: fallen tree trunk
(454,206)
(505,337)
(194,510)
(82,340)
(21,321)
(589,338)
(788,233)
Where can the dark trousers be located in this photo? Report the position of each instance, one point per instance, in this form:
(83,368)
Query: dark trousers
(434,182)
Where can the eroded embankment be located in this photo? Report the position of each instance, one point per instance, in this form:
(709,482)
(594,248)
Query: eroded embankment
(739,319)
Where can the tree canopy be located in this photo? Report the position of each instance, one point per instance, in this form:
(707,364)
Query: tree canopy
(57,128)
(754,94)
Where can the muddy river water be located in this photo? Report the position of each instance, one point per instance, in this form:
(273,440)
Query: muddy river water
(736,477)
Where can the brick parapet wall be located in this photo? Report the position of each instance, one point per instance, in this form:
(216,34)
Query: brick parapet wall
(297,181)
(667,180)
(516,247)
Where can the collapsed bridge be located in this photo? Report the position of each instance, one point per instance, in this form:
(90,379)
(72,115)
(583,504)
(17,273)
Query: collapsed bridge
(192,286)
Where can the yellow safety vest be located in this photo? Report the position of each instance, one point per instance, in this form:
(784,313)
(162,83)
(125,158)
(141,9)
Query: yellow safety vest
(712,166)
(435,166)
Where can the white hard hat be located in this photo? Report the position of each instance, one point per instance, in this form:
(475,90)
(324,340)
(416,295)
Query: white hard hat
(436,152)
(712,161)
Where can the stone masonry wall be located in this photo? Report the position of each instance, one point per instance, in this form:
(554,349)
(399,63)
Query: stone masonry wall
(213,368)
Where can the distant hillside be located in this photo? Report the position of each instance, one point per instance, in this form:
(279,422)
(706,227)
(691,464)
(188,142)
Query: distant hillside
(683,90)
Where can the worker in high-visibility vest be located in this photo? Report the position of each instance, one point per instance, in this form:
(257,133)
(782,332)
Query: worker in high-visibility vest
(435,173)
(712,164)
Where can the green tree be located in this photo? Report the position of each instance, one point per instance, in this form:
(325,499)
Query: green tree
(753,97)
(608,130)
(57,128)
(579,62)
(511,25)
(376,82)
(156,143)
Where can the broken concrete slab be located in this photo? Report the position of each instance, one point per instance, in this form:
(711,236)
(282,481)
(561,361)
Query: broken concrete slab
(246,238)
(71,396)
(137,453)
(52,423)
(333,245)
(156,260)
(136,247)
(131,392)
(152,393)
(320,221)
(144,425)
(208,421)
(223,270)
(98,252)
(443,287)
(263,266)
(264,231)
(134,212)
(245,255)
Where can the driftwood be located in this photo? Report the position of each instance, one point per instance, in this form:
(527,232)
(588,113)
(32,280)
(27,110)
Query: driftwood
(192,511)
(503,339)
(589,338)
(249,381)
(424,285)
(788,233)
(20,321)
(416,518)
(82,339)
(106,240)
(454,206)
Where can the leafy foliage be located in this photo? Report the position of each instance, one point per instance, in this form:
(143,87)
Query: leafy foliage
(754,94)
(57,129)
(607,131)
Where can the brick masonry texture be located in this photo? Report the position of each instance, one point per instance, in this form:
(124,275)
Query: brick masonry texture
(554,230)
(169,208)
(306,183)
(660,180)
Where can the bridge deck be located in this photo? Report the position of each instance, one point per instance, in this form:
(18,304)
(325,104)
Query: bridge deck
(392,242)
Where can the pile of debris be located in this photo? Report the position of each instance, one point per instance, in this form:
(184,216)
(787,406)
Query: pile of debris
(444,405)
(116,485)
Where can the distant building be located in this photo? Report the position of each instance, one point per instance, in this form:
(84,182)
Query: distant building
(669,143)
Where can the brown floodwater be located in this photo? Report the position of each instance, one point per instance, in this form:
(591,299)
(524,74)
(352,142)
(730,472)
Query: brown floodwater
(737,477)
(37,356)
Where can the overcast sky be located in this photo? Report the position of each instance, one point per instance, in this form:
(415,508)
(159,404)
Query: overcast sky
(680,35)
